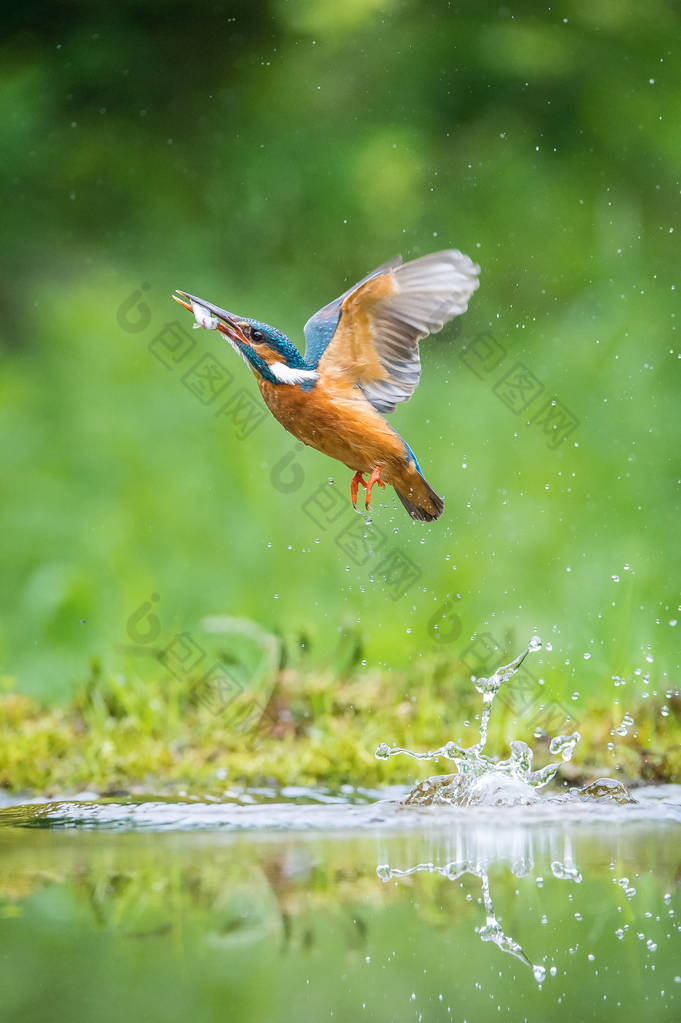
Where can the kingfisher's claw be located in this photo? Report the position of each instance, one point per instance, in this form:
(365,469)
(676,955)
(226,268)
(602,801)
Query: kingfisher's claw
(357,479)
(374,478)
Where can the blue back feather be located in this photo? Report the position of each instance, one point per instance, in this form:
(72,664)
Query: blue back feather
(321,327)
(411,457)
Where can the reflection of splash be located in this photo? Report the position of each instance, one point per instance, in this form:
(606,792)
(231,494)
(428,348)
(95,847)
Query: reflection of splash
(491,930)
(480,780)
(474,855)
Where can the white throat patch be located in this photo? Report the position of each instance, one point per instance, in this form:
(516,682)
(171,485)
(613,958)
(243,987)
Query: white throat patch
(287,375)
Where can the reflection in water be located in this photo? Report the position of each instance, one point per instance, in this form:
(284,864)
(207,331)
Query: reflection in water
(474,857)
(491,930)
(273,926)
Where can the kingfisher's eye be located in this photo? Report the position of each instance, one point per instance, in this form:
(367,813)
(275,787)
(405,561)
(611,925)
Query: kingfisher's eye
(257,335)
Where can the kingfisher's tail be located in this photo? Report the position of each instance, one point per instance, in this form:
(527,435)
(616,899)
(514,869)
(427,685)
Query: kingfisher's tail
(422,502)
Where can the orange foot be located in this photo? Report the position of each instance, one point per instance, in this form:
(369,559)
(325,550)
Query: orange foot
(374,478)
(357,479)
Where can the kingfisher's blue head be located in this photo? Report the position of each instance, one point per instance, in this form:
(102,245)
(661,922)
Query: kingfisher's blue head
(268,351)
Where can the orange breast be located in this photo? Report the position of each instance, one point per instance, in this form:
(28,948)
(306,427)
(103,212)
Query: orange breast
(339,421)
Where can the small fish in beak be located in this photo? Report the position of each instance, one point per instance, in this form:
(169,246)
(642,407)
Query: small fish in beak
(203,317)
(212,317)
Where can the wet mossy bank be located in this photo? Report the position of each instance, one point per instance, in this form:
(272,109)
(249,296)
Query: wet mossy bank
(118,734)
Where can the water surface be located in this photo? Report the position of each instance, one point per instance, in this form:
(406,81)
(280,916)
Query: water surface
(341,908)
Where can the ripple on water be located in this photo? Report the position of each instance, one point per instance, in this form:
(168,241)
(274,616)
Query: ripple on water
(389,813)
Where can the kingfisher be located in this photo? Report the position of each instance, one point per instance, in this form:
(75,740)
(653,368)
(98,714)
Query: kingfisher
(361,361)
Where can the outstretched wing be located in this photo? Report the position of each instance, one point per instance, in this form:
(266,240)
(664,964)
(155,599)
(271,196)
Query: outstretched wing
(370,335)
(321,327)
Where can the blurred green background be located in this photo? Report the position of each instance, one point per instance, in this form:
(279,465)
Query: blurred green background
(264,156)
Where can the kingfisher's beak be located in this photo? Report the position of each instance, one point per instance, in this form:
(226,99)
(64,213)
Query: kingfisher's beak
(183,301)
(205,312)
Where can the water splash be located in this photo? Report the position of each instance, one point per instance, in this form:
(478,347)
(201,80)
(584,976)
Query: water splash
(606,790)
(480,780)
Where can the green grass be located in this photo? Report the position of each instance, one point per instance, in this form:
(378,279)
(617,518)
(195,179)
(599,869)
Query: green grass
(121,734)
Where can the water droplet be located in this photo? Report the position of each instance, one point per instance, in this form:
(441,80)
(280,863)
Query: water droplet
(564,744)
(627,722)
(565,872)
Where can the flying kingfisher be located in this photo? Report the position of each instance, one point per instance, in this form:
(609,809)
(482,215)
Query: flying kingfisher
(361,360)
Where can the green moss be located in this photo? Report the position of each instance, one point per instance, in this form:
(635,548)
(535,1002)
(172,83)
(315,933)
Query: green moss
(122,734)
